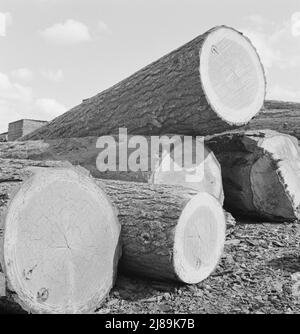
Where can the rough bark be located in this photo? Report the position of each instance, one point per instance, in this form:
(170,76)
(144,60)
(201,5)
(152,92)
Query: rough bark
(280,116)
(168,232)
(84,152)
(48,255)
(261,173)
(165,97)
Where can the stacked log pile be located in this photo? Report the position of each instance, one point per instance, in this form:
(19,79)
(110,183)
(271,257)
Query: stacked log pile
(261,173)
(85,152)
(172,221)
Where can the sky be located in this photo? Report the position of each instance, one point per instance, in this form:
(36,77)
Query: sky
(55,53)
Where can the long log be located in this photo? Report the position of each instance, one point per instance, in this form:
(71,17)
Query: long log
(59,238)
(168,232)
(202,172)
(280,116)
(261,173)
(209,85)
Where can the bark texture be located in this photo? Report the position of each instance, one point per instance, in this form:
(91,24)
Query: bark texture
(84,152)
(164,97)
(149,216)
(260,171)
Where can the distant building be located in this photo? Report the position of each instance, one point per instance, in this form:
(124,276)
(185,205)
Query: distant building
(3,136)
(23,127)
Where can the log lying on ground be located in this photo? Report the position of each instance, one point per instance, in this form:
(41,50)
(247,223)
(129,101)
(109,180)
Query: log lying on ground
(168,232)
(280,116)
(202,172)
(209,85)
(261,173)
(59,238)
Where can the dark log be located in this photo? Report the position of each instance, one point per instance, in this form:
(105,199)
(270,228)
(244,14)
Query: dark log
(59,238)
(261,173)
(210,85)
(168,232)
(204,177)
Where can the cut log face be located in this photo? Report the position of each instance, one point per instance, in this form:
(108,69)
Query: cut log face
(232,76)
(210,85)
(199,239)
(261,173)
(168,232)
(60,247)
(203,174)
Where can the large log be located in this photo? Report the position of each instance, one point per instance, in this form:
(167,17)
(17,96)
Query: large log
(168,232)
(209,85)
(202,172)
(59,237)
(280,116)
(261,173)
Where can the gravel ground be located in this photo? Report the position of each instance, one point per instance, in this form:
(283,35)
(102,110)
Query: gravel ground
(259,273)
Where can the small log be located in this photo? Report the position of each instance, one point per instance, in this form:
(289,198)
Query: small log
(261,173)
(168,232)
(203,175)
(209,85)
(59,238)
(280,116)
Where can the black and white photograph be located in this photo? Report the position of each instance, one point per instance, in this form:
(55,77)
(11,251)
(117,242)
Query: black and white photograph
(149,160)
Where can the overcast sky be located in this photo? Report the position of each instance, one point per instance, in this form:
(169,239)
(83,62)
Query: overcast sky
(54,53)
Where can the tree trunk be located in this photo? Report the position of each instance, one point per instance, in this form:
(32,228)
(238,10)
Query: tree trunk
(193,173)
(59,238)
(168,232)
(280,116)
(261,173)
(211,84)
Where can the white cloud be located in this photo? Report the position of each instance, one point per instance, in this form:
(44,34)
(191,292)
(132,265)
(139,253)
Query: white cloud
(14,91)
(24,74)
(274,42)
(18,101)
(295,24)
(69,32)
(279,48)
(5,21)
(103,28)
(49,107)
(52,75)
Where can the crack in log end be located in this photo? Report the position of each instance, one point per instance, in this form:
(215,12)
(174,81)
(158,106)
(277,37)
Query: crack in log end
(10,180)
(27,274)
(42,295)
